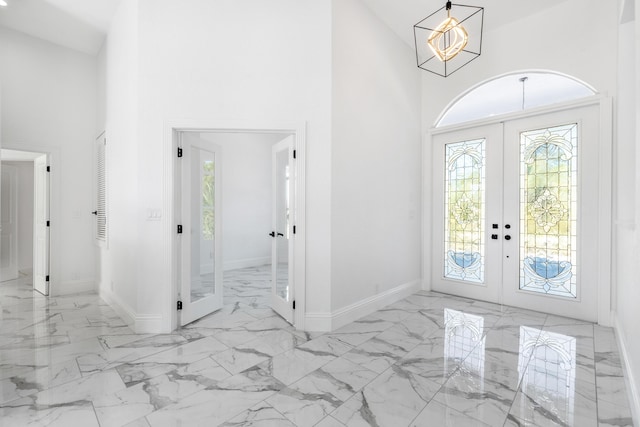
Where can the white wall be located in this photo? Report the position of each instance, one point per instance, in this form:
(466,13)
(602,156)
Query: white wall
(24,170)
(626,257)
(246,193)
(48,105)
(118,86)
(376,167)
(201,60)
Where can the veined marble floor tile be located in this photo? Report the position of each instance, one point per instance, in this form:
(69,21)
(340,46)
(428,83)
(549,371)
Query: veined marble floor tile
(318,394)
(219,403)
(428,360)
(261,415)
(394,398)
(437,414)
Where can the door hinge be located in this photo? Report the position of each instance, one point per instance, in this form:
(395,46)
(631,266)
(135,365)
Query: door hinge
(179,229)
(48,223)
(294,154)
(179,152)
(294,304)
(294,229)
(46,279)
(179,305)
(48,168)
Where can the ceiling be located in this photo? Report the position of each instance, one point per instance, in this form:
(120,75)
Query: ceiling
(77,24)
(402,15)
(82,24)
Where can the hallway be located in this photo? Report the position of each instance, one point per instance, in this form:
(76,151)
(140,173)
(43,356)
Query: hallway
(427,360)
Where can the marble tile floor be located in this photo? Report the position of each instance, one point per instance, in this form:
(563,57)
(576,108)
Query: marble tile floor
(428,360)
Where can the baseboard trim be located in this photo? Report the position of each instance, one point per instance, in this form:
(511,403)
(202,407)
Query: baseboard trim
(148,324)
(123,310)
(631,377)
(246,263)
(326,322)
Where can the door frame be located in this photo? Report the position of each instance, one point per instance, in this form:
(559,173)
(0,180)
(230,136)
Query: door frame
(13,244)
(53,155)
(172,128)
(605,182)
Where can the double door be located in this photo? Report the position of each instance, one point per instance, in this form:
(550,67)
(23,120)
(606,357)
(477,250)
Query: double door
(201,230)
(515,212)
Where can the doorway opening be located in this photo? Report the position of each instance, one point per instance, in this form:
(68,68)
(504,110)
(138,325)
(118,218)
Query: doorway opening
(238,215)
(25,243)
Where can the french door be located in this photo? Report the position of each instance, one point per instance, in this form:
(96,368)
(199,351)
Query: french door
(201,251)
(515,216)
(283,193)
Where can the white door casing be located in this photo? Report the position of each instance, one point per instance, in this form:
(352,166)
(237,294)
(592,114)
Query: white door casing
(9,225)
(41,225)
(283,237)
(201,290)
(500,280)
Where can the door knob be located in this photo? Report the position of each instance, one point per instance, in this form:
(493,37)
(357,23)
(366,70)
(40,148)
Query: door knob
(507,237)
(272,234)
(507,226)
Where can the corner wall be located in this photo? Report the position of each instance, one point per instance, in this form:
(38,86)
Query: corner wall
(375,165)
(627,208)
(118,260)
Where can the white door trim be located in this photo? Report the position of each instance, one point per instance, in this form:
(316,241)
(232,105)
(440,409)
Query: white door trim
(11,231)
(170,240)
(54,205)
(605,190)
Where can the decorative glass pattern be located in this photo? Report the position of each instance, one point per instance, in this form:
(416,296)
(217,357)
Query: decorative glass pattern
(548,210)
(464,210)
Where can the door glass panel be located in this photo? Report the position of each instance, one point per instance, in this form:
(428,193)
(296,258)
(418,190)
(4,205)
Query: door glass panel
(548,211)
(203,231)
(282,224)
(464,210)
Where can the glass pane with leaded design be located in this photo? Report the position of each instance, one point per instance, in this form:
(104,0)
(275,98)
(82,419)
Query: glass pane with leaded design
(548,210)
(464,210)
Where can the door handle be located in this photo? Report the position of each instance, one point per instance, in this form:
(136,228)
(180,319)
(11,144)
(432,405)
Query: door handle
(272,234)
(280,234)
(94,213)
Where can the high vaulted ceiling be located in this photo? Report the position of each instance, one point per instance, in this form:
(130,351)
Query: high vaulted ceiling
(82,24)
(76,24)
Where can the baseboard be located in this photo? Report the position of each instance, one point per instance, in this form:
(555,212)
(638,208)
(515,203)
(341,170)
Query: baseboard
(631,377)
(317,322)
(72,287)
(245,263)
(148,324)
(123,310)
(325,322)
(139,323)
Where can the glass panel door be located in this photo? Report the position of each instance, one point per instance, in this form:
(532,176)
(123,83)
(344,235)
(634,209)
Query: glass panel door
(467,173)
(515,217)
(552,164)
(201,289)
(282,232)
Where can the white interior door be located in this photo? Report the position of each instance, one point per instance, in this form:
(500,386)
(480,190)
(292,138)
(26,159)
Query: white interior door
(282,295)
(9,225)
(515,212)
(41,225)
(201,250)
